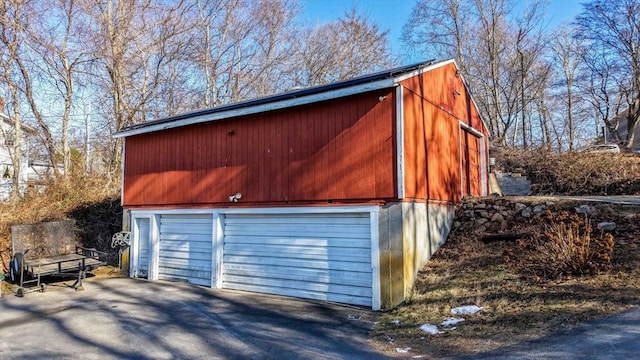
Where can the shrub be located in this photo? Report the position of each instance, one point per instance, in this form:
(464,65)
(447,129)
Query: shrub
(572,173)
(567,247)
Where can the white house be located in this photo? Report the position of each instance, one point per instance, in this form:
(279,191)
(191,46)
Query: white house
(7,139)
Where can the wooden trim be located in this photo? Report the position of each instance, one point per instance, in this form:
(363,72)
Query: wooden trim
(470,129)
(483,156)
(375,260)
(423,70)
(400,138)
(154,247)
(218,241)
(122,173)
(302,210)
(133,247)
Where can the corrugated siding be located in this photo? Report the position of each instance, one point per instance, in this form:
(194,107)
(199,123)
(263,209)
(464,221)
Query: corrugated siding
(185,248)
(316,256)
(339,149)
(434,104)
(143,247)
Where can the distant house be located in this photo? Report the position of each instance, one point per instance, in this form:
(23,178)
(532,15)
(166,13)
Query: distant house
(339,192)
(619,122)
(7,140)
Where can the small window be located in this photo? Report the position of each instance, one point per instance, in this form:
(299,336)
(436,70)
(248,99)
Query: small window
(9,139)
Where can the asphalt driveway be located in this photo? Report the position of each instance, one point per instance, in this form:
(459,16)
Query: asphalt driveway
(121,318)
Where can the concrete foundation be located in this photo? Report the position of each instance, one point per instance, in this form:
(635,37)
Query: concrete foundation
(410,233)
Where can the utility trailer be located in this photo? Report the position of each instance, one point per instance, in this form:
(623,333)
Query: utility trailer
(49,249)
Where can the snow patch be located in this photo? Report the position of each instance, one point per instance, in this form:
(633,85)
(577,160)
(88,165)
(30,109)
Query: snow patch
(451,321)
(466,310)
(430,329)
(403,350)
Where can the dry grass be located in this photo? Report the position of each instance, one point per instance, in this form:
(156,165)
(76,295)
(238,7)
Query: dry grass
(92,201)
(467,271)
(572,173)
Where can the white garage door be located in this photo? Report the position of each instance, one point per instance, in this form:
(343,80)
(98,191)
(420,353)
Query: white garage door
(315,256)
(186,248)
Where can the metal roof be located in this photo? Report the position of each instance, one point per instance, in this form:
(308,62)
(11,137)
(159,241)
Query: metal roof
(375,81)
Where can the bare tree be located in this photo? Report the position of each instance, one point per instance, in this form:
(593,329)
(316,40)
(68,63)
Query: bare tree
(342,49)
(53,39)
(501,56)
(8,54)
(133,43)
(612,28)
(566,53)
(18,76)
(446,33)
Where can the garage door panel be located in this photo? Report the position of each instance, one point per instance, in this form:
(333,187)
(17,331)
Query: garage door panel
(306,294)
(193,255)
(190,264)
(318,256)
(301,263)
(196,278)
(300,240)
(317,253)
(339,277)
(186,245)
(326,287)
(190,237)
(355,231)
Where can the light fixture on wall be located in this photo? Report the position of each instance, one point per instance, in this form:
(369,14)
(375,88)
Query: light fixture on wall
(235,197)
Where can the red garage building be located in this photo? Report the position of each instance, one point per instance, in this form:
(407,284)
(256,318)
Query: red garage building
(339,192)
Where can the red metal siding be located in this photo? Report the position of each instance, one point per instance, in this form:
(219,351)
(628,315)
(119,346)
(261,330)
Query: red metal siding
(434,104)
(336,150)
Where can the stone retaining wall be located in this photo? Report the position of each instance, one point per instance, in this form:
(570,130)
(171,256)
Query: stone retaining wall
(495,215)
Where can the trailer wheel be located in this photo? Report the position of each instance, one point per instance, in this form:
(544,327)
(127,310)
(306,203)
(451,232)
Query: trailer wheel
(17,265)
(20,292)
(43,287)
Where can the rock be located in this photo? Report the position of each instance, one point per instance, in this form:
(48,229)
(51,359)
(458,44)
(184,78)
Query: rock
(520,206)
(539,209)
(526,212)
(585,209)
(480,222)
(456,224)
(479,230)
(607,226)
(483,214)
(497,217)
(550,203)
(504,225)
(481,206)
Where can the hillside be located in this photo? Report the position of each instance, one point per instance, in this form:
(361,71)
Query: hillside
(92,202)
(493,264)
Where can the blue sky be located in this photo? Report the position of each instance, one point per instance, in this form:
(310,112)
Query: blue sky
(392,14)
